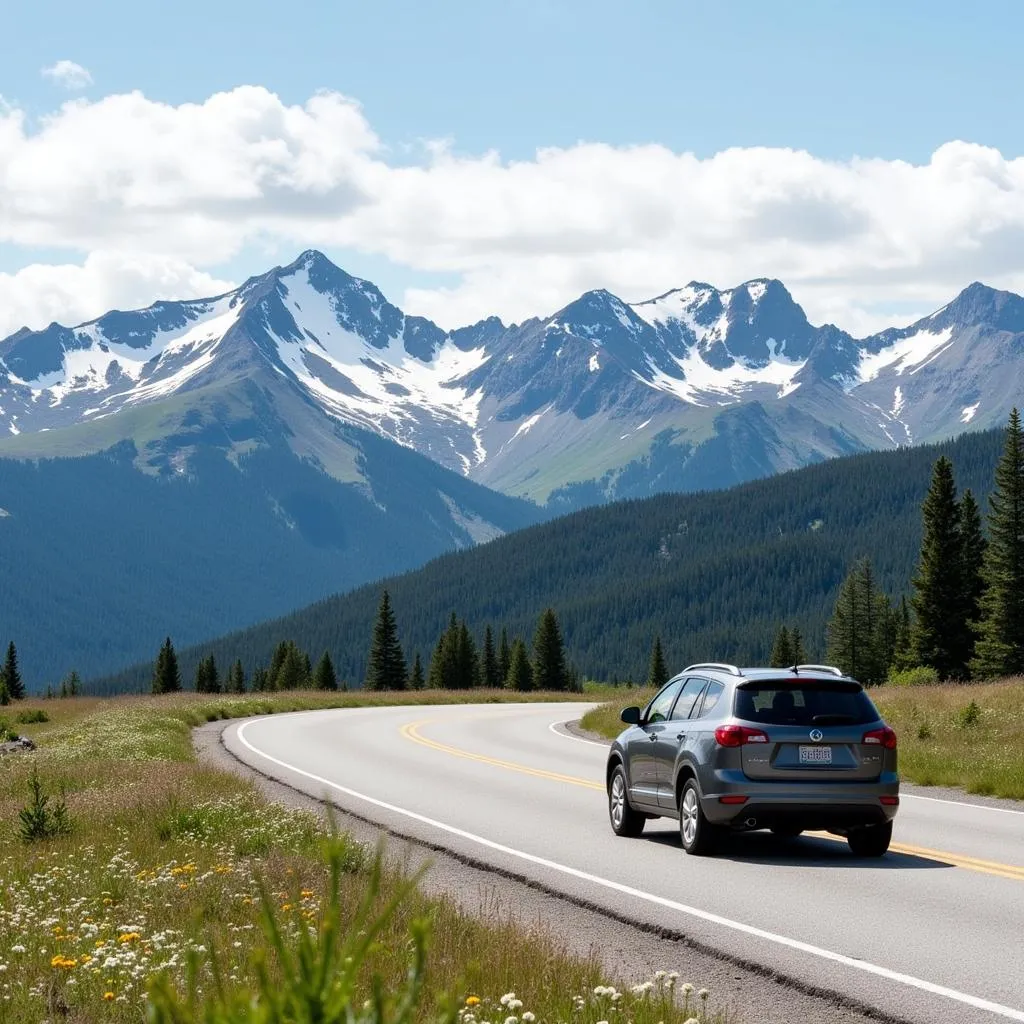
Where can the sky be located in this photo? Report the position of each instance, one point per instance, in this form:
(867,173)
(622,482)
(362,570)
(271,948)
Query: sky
(503,156)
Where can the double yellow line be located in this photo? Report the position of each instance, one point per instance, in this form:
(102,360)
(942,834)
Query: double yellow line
(958,860)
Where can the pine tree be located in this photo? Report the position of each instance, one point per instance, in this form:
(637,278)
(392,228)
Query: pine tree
(63,689)
(5,695)
(940,626)
(74,683)
(166,676)
(520,672)
(260,680)
(386,664)
(292,675)
(207,677)
(325,678)
(236,678)
(999,648)
(416,680)
(549,654)
(859,633)
(444,663)
(903,641)
(468,671)
(504,656)
(657,673)
(782,650)
(12,674)
(490,671)
(796,643)
(276,663)
(972,562)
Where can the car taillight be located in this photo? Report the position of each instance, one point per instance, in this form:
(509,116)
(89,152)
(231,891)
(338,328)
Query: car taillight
(737,735)
(884,737)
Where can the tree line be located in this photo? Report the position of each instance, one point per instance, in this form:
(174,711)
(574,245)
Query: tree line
(964,618)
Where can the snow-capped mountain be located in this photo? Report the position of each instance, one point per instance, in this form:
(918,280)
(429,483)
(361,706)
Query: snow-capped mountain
(694,388)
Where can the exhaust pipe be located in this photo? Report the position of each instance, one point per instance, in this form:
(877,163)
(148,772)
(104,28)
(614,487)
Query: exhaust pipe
(750,822)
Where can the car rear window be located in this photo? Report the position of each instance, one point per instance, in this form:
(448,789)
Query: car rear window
(802,702)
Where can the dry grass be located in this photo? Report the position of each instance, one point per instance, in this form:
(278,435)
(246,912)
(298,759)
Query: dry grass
(166,858)
(942,742)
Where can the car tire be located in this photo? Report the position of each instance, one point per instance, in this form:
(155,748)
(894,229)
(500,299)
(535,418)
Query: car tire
(625,821)
(699,836)
(787,831)
(871,841)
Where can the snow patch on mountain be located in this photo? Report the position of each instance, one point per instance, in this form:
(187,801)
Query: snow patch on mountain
(968,412)
(360,383)
(911,353)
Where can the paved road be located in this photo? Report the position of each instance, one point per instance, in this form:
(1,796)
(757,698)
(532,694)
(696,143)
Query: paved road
(932,932)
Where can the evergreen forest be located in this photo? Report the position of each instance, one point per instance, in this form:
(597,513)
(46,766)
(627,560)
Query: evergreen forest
(710,575)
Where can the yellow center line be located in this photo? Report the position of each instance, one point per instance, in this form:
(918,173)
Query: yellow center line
(986,867)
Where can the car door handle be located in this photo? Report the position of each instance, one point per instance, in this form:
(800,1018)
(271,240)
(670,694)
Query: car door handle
(652,736)
(680,735)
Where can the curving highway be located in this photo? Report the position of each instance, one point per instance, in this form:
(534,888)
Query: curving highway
(932,932)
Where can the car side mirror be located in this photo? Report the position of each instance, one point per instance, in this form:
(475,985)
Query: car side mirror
(631,716)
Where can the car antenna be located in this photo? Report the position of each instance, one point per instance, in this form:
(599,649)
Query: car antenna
(795,669)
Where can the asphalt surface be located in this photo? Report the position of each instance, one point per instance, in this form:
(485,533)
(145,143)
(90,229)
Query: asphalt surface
(932,932)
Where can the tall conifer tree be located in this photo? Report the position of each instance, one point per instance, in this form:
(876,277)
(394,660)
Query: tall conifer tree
(325,678)
(490,672)
(859,632)
(972,564)
(549,671)
(236,678)
(657,673)
(782,650)
(293,674)
(999,648)
(386,664)
(12,674)
(796,643)
(444,663)
(166,675)
(504,656)
(416,680)
(520,672)
(468,665)
(940,634)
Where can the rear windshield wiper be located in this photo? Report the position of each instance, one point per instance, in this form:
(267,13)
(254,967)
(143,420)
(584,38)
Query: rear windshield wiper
(834,719)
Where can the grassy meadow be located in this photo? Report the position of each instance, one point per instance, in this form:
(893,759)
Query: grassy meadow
(966,736)
(168,860)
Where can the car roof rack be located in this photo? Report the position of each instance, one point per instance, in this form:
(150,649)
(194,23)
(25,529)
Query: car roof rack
(831,669)
(721,666)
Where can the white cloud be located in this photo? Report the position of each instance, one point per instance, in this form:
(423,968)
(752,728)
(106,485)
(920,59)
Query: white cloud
(198,183)
(40,294)
(68,74)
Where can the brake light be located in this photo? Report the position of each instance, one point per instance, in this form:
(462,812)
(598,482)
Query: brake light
(883,737)
(889,801)
(738,735)
(732,799)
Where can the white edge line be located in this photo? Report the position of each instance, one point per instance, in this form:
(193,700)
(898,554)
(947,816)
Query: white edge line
(950,802)
(662,901)
(553,727)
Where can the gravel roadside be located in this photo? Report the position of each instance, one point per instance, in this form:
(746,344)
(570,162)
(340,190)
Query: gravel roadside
(626,950)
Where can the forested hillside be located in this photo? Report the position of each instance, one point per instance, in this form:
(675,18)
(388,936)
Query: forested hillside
(714,574)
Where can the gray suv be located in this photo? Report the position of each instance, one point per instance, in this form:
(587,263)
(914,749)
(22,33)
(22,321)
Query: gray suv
(724,749)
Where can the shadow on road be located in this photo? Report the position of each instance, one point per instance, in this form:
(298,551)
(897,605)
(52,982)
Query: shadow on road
(804,851)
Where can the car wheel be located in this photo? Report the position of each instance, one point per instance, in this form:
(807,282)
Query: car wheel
(625,821)
(699,836)
(787,831)
(871,841)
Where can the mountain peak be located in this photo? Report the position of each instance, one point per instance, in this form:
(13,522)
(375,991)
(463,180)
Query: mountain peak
(978,304)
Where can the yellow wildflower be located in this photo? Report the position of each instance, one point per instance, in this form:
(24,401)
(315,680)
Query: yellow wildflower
(108,996)
(472,1000)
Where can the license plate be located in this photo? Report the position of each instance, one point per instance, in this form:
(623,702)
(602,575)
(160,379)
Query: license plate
(815,755)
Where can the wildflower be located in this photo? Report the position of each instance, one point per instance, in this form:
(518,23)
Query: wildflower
(108,996)
(529,1018)
(687,989)
(691,1020)
(18,949)
(472,1000)
(704,993)
(511,1020)
(507,998)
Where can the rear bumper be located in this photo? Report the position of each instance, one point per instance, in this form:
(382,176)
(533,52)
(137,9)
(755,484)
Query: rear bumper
(809,806)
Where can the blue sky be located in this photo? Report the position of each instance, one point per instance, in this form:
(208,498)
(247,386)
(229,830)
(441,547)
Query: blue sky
(872,79)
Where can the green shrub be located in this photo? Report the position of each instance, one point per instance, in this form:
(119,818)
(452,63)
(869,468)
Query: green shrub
(33,716)
(39,820)
(924,731)
(969,715)
(7,733)
(920,676)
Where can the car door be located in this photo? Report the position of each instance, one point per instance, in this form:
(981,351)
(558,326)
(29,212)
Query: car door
(673,737)
(643,768)
(707,714)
